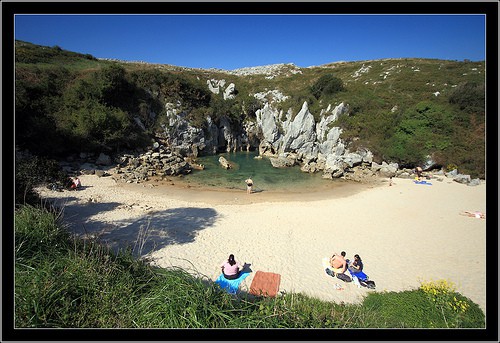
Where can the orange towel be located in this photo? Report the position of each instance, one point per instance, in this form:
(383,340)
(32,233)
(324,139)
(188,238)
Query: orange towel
(265,284)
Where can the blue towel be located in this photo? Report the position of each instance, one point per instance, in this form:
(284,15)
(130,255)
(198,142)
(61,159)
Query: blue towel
(423,182)
(230,286)
(360,275)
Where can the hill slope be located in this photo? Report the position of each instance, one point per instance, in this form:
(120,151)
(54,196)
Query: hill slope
(403,110)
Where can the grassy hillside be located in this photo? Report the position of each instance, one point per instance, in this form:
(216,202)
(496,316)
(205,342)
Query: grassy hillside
(403,110)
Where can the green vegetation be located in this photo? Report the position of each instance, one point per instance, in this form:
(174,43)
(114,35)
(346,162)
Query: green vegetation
(402,110)
(65,282)
(327,85)
(31,171)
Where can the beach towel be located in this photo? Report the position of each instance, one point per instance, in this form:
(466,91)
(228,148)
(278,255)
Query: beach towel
(423,182)
(360,275)
(327,267)
(265,284)
(231,286)
(361,279)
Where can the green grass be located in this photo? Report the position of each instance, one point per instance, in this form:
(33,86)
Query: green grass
(64,282)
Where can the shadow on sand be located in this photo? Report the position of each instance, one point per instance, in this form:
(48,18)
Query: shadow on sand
(158,229)
(150,231)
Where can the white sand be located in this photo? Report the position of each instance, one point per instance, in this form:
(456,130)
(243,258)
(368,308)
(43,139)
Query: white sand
(405,233)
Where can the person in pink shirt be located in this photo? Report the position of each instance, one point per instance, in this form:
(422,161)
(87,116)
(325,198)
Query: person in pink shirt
(231,268)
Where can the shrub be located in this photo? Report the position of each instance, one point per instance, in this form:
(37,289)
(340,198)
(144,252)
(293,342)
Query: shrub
(422,130)
(32,171)
(327,85)
(469,96)
(458,311)
(451,167)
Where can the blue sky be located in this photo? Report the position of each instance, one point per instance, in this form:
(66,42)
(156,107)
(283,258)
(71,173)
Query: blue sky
(235,41)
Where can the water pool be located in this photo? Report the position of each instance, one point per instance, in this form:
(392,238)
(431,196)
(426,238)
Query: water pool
(264,175)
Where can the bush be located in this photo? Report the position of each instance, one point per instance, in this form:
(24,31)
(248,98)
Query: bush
(32,171)
(458,311)
(38,95)
(469,96)
(95,114)
(422,130)
(327,85)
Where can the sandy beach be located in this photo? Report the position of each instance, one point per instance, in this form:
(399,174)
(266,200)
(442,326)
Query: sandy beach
(405,233)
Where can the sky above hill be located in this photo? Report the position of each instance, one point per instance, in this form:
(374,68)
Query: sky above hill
(234,41)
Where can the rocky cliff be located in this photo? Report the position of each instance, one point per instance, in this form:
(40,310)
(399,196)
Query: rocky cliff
(288,138)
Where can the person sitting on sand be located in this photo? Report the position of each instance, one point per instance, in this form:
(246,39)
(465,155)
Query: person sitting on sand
(231,268)
(356,265)
(249,183)
(76,183)
(338,263)
(418,171)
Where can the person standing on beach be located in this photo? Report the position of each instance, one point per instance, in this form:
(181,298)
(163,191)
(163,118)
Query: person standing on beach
(249,183)
(231,268)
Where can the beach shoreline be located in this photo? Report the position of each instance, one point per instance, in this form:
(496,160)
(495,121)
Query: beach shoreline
(405,233)
(177,188)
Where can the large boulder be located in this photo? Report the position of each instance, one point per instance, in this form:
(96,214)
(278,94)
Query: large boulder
(281,162)
(104,160)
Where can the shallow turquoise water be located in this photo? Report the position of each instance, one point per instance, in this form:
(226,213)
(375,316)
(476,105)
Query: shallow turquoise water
(264,175)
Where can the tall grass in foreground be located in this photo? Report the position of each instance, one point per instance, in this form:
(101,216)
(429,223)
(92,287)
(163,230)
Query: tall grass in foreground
(61,281)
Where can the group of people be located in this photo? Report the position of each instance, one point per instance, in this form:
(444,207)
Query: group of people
(340,264)
(231,268)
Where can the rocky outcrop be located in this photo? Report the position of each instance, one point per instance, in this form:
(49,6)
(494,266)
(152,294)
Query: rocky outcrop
(230,92)
(315,146)
(301,134)
(215,85)
(290,140)
(385,170)
(154,162)
(282,162)
(286,138)
(271,71)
